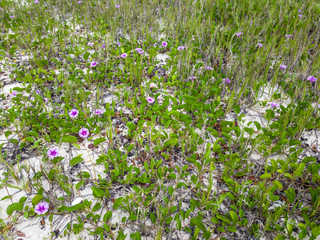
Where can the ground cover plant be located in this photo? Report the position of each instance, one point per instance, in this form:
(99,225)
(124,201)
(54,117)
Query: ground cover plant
(159,119)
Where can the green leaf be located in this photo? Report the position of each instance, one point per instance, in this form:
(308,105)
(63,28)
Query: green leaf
(36,199)
(234,217)
(265,176)
(96,207)
(33,133)
(277,184)
(117,202)
(97,192)
(76,160)
(14,207)
(198,223)
(69,139)
(98,141)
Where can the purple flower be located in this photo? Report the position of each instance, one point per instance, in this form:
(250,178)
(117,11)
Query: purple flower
(150,100)
(138,49)
(274,105)
(29,13)
(226,80)
(118,43)
(103,46)
(164,44)
(150,29)
(239,34)
(93,64)
(141,52)
(312,79)
(299,10)
(36,1)
(84,132)
(319,106)
(260,45)
(124,55)
(38,91)
(41,208)
(74,113)
(180,48)
(13,93)
(117,6)
(289,36)
(209,68)
(90,44)
(46,99)
(79,2)
(300,16)
(99,112)
(12,17)
(283,67)
(193,78)
(53,152)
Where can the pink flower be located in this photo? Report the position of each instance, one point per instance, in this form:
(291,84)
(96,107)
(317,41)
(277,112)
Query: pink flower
(53,152)
(164,44)
(150,100)
(41,208)
(312,79)
(73,113)
(84,132)
(124,55)
(79,2)
(99,112)
(274,105)
(209,68)
(180,48)
(239,34)
(90,44)
(93,64)
(226,80)
(117,6)
(36,1)
(13,93)
(138,49)
(141,52)
(260,45)
(283,67)
(29,13)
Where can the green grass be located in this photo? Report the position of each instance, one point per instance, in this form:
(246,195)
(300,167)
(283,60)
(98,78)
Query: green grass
(187,165)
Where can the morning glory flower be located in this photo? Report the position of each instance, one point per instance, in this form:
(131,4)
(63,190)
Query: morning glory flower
(164,44)
(117,6)
(239,34)
(46,99)
(300,16)
(36,1)
(312,79)
(226,80)
(118,43)
(274,105)
(13,93)
(209,68)
(38,91)
(193,78)
(124,55)
(90,44)
(150,100)
(180,48)
(53,152)
(74,113)
(138,49)
(41,208)
(283,67)
(93,64)
(141,52)
(99,112)
(260,45)
(289,35)
(79,2)
(150,29)
(103,46)
(12,17)
(84,132)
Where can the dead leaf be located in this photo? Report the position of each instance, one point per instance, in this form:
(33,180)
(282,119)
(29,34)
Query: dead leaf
(42,222)
(20,234)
